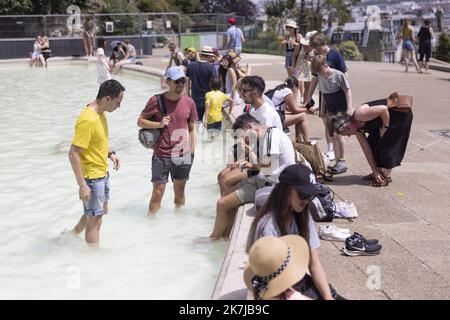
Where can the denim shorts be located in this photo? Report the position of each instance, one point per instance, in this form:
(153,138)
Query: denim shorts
(408,45)
(99,196)
(179,168)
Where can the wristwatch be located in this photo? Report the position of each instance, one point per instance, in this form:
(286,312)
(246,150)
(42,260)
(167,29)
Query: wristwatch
(110,153)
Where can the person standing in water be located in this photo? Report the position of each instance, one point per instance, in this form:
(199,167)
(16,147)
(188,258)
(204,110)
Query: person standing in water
(89,155)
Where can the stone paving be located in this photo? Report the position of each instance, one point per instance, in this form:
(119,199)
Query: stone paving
(410,217)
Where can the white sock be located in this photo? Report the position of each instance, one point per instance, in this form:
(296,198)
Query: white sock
(330,147)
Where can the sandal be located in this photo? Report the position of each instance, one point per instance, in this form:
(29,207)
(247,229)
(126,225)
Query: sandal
(377,184)
(369,177)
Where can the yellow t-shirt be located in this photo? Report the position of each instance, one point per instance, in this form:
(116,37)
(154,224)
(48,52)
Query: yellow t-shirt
(91,134)
(215,100)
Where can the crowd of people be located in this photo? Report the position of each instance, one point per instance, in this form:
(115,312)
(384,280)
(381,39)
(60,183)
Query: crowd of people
(202,85)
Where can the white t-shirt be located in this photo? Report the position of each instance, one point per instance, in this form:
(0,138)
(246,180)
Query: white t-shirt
(267,116)
(279,96)
(103,73)
(281,153)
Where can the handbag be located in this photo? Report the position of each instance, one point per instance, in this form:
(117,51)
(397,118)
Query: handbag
(149,137)
(400,102)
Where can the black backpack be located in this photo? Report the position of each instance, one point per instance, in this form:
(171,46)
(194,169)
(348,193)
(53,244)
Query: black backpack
(327,203)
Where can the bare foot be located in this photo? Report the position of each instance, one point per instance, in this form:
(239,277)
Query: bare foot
(205,240)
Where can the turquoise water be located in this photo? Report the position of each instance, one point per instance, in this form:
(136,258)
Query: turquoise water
(141,257)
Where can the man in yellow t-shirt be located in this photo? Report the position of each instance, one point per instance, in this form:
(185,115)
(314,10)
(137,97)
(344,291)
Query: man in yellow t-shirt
(213,104)
(89,155)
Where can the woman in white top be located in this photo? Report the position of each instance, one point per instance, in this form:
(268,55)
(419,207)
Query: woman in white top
(103,69)
(284,98)
(301,62)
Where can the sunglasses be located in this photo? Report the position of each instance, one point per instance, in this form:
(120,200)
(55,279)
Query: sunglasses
(180,81)
(305,197)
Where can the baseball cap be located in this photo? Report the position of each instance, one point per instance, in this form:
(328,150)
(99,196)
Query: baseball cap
(231,20)
(302,178)
(174,73)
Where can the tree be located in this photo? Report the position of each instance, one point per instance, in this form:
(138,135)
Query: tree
(244,8)
(443,48)
(57,6)
(279,8)
(350,50)
(187,6)
(338,11)
(153,6)
(15,7)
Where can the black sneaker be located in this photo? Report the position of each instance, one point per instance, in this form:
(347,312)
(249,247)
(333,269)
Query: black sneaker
(370,241)
(356,245)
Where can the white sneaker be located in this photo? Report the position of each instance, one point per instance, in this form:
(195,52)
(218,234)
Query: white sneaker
(333,233)
(346,210)
(330,155)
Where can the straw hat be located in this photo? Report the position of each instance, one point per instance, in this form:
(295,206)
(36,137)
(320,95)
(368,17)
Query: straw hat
(275,264)
(234,56)
(207,51)
(291,23)
(305,40)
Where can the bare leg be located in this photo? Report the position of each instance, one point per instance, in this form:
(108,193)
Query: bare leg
(92,235)
(406,58)
(226,207)
(302,90)
(301,125)
(307,85)
(338,146)
(220,179)
(414,59)
(91,46)
(81,225)
(232,179)
(387,173)
(157,195)
(178,188)
(86,46)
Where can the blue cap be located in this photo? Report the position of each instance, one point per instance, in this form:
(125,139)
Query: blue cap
(174,73)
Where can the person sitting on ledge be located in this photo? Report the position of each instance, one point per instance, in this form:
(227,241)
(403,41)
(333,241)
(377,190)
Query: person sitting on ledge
(286,212)
(271,149)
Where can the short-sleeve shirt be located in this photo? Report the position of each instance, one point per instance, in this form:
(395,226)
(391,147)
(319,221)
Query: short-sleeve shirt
(234,35)
(335,82)
(200,73)
(174,138)
(267,116)
(267,226)
(91,135)
(279,97)
(336,61)
(215,99)
(281,152)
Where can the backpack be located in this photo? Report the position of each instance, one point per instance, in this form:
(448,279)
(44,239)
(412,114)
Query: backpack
(148,137)
(323,207)
(270,93)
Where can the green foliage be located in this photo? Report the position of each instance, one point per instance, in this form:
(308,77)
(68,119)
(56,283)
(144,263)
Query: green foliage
(339,11)
(153,6)
(279,8)
(443,48)
(15,7)
(186,6)
(117,6)
(350,50)
(244,8)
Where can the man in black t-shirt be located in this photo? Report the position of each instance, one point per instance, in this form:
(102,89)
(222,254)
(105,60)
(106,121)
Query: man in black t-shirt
(199,74)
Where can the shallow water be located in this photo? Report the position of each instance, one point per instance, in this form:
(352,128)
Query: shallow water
(141,257)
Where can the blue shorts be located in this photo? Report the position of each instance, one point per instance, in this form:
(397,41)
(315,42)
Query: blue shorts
(99,196)
(288,59)
(408,45)
(132,59)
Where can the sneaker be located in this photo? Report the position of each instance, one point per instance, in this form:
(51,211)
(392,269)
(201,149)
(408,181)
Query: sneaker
(333,233)
(330,155)
(370,241)
(338,168)
(345,210)
(358,246)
